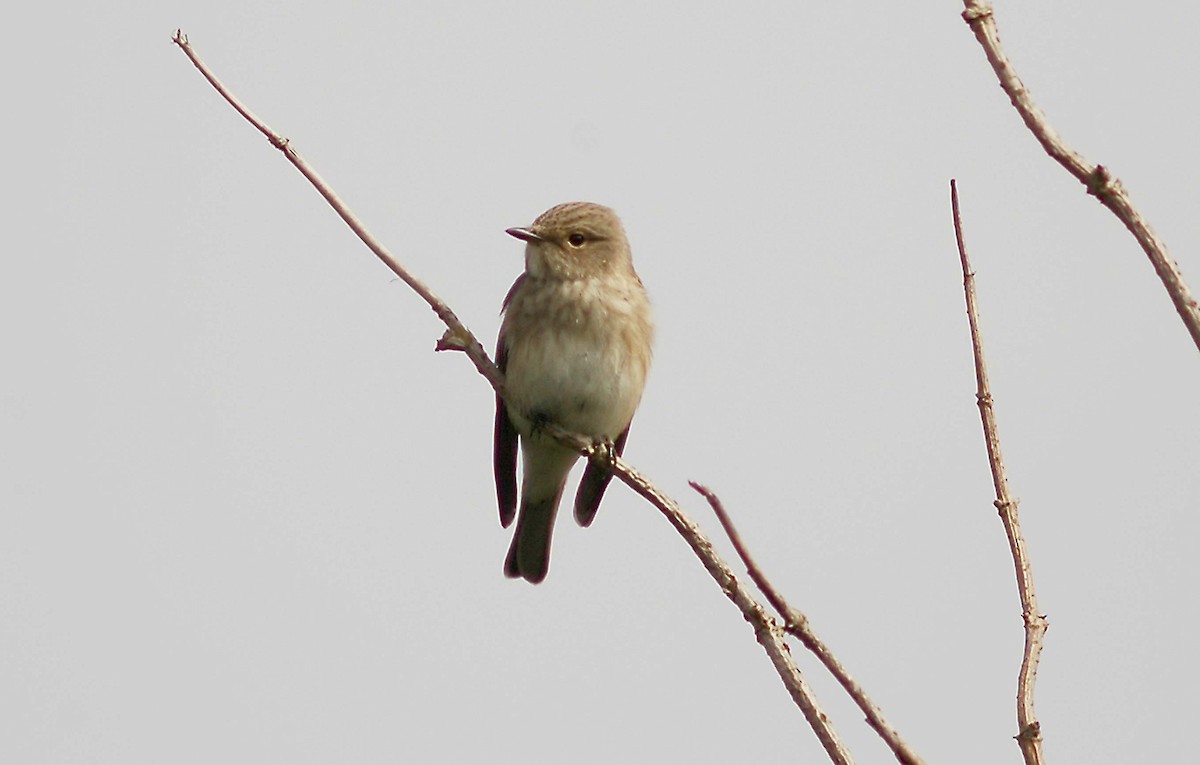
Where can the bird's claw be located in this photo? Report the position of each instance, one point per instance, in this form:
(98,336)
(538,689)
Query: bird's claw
(603,451)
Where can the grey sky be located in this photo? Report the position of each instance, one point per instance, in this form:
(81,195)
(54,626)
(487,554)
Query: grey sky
(246,513)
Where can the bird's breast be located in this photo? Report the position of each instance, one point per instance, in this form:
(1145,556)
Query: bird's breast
(578,354)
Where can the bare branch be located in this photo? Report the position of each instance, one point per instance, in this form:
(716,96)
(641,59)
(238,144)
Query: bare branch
(797,624)
(458,337)
(768,632)
(1100,184)
(1029,736)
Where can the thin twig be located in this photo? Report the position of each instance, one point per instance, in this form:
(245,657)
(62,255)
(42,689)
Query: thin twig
(766,629)
(797,624)
(1029,735)
(458,337)
(1099,182)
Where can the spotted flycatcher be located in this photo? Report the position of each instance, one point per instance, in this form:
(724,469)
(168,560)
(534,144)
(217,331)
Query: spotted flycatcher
(575,350)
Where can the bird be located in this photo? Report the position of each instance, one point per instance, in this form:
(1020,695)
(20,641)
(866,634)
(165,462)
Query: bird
(575,346)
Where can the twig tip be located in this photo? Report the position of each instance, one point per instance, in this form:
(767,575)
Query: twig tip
(701,489)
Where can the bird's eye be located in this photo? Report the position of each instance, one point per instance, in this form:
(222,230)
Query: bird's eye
(576,239)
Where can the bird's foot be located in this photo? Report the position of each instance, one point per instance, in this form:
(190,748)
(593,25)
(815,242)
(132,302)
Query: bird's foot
(603,452)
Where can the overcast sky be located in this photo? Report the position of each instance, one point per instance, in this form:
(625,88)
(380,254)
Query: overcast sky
(247,513)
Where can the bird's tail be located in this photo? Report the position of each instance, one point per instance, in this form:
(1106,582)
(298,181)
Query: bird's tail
(529,555)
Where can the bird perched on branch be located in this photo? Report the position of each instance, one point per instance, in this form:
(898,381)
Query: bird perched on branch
(575,348)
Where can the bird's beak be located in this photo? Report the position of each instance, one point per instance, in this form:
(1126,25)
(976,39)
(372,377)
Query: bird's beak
(524,234)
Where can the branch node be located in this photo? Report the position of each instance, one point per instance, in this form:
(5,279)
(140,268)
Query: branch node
(974,15)
(1031,732)
(1036,621)
(797,624)
(1101,184)
(452,340)
(1006,507)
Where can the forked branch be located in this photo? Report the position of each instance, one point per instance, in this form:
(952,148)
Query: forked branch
(797,624)
(458,337)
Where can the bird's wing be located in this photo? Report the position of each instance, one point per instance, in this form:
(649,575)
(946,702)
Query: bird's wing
(504,455)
